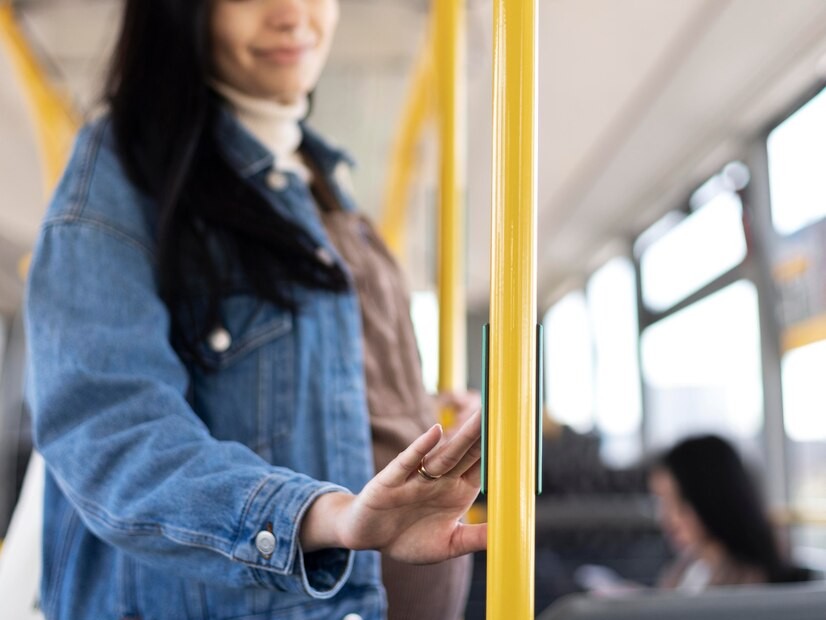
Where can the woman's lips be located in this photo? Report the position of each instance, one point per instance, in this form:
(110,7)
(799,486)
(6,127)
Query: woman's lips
(286,55)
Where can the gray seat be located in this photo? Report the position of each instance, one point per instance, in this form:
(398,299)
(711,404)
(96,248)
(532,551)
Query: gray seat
(15,428)
(805,601)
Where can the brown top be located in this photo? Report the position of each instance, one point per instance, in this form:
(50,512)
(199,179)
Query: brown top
(400,409)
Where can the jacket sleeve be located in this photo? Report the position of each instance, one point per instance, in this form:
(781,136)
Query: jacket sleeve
(107,392)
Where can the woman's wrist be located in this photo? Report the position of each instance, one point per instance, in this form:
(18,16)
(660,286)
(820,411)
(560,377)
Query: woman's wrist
(321,526)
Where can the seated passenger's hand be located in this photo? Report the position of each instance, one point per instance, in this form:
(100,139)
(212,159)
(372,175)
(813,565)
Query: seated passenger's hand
(462,405)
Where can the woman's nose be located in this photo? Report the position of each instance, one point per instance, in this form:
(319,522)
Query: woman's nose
(286,14)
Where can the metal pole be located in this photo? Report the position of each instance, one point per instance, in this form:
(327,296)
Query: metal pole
(450,47)
(54,120)
(512,396)
(404,159)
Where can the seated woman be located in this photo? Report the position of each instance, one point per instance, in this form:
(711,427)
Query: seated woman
(713,516)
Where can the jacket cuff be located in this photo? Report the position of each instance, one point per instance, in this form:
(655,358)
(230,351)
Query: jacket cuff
(268,539)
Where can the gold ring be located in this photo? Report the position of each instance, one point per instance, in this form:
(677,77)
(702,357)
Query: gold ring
(426,475)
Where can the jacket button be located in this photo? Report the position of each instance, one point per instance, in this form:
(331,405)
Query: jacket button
(220,340)
(265,543)
(277,180)
(352,617)
(324,257)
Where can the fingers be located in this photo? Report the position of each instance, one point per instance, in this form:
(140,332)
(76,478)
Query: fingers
(408,461)
(472,456)
(452,453)
(473,475)
(468,539)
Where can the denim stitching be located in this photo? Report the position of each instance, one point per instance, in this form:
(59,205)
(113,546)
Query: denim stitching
(246,517)
(303,510)
(112,231)
(67,537)
(87,170)
(139,527)
(255,167)
(246,510)
(277,327)
(263,436)
(282,390)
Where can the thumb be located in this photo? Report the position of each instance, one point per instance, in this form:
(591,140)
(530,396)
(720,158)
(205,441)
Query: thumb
(468,539)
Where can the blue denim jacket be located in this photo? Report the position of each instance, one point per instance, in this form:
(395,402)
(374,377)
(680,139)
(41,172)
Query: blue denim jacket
(172,493)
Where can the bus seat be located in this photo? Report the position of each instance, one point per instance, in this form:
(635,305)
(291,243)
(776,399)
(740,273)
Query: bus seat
(805,601)
(20,555)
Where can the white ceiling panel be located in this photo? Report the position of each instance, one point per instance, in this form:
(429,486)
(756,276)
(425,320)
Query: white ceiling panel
(691,126)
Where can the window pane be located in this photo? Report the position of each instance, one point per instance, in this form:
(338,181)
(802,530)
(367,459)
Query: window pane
(568,363)
(702,369)
(702,247)
(612,300)
(424,311)
(804,392)
(797,159)
(804,399)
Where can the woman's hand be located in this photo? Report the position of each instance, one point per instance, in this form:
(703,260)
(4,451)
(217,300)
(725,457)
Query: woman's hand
(402,513)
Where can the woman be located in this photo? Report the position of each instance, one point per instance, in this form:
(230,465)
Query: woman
(711,512)
(198,365)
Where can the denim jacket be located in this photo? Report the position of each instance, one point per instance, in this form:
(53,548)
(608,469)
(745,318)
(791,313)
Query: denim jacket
(173,493)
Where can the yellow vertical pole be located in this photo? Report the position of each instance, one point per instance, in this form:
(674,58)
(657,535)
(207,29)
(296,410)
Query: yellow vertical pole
(512,382)
(55,122)
(450,48)
(417,111)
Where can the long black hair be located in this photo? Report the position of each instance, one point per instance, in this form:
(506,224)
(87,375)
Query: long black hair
(163,115)
(713,480)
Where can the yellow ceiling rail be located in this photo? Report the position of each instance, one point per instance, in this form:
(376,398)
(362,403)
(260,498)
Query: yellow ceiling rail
(403,160)
(512,379)
(55,122)
(449,34)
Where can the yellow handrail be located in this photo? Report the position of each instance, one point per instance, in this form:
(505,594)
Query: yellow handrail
(403,163)
(54,120)
(450,51)
(512,384)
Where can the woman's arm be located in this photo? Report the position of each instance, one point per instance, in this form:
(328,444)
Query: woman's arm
(108,397)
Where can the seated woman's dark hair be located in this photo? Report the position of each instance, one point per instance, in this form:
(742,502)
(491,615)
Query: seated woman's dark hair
(163,114)
(713,480)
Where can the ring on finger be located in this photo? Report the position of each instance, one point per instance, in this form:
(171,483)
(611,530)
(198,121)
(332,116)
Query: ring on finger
(426,475)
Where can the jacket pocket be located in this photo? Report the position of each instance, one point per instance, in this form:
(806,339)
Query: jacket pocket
(248,395)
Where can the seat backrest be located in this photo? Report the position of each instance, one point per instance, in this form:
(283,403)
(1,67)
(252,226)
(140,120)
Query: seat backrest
(15,428)
(805,601)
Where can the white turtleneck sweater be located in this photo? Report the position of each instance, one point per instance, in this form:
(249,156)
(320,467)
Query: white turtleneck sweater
(273,124)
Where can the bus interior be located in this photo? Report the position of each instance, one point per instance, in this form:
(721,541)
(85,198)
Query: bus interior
(681,253)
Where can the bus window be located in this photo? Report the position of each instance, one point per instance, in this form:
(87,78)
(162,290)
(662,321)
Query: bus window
(592,374)
(701,369)
(804,393)
(797,156)
(424,312)
(569,363)
(694,252)
(612,305)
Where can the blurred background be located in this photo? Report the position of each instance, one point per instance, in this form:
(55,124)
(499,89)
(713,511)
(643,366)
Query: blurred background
(682,263)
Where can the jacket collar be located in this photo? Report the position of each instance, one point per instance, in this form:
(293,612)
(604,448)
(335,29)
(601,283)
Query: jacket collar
(249,157)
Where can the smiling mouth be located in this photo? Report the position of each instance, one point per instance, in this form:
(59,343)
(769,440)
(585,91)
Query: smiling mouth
(286,55)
